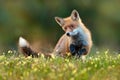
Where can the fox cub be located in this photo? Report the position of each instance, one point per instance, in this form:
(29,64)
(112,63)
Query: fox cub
(77,38)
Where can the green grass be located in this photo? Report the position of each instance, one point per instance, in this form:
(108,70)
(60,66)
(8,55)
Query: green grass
(101,66)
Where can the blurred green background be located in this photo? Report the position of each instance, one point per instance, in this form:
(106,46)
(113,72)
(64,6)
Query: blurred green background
(34,20)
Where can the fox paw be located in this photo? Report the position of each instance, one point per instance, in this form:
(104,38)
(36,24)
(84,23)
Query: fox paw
(81,52)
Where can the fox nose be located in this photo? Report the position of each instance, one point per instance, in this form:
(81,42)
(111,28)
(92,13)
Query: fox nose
(68,34)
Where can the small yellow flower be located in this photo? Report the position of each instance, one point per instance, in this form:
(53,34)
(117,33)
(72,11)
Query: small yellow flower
(10,51)
(92,62)
(95,65)
(74,71)
(71,65)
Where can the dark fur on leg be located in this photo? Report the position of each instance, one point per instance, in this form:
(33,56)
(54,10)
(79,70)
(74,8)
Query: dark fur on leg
(77,50)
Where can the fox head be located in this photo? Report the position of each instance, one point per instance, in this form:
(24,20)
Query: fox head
(70,24)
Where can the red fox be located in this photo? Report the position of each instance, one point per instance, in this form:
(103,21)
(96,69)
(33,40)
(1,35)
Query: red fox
(76,40)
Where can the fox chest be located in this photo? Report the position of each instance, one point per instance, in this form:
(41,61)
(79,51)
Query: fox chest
(78,40)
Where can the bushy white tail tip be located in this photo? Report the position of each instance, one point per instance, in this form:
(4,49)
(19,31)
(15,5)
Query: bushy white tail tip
(22,42)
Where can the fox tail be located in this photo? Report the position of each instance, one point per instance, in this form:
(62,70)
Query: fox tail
(25,48)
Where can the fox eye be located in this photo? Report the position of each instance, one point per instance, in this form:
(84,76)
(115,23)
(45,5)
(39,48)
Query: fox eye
(65,28)
(71,26)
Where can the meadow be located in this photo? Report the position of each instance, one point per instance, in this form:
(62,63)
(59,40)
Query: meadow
(102,65)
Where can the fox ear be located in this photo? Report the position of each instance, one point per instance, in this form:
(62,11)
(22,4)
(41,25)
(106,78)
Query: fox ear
(75,15)
(60,21)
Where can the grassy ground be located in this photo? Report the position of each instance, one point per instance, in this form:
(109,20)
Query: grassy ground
(101,66)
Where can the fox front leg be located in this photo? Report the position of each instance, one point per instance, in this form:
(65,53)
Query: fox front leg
(81,52)
(75,51)
(72,49)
